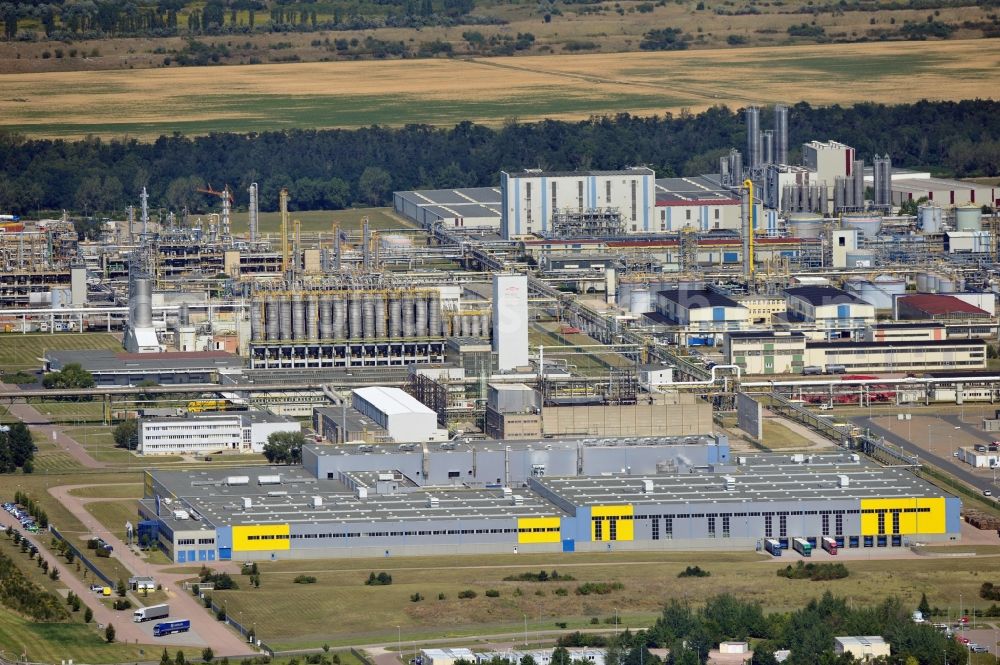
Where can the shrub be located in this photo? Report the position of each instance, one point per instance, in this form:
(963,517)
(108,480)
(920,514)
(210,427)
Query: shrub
(693,571)
(305,579)
(468,593)
(416,598)
(441,596)
(88,615)
(817,572)
(382,579)
(598,588)
(492,593)
(561,591)
(122,604)
(222,581)
(540,576)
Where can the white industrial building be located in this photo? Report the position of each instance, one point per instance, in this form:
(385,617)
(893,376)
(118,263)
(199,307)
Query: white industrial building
(510,321)
(530,199)
(469,208)
(862,648)
(703,205)
(829,308)
(204,433)
(702,312)
(398,413)
(943,191)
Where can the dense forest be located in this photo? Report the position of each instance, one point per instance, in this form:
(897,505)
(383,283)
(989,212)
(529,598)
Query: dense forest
(329,169)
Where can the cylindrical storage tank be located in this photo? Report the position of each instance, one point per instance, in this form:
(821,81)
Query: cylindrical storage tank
(380,315)
(368,315)
(867,225)
(354,319)
(184,315)
(968,218)
(640,302)
(474,329)
(272,326)
(434,314)
(409,327)
(804,225)
(930,218)
(892,286)
(256,322)
(143,302)
(325,317)
(285,317)
(860,258)
(484,324)
(395,316)
(340,316)
(312,317)
(420,315)
(945,284)
(870,293)
(298,317)
(921,281)
(466,323)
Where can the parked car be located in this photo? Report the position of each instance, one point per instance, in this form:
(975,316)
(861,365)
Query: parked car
(962,639)
(979,648)
(97,588)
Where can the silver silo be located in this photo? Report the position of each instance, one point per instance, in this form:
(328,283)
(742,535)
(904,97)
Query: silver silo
(484,324)
(354,320)
(184,315)
(466,325)
(395,316)
(312,317)
(420,315)
(474,326)
(285,317)
(380,315)
(340,316)
(434,314)
(271,323)
(409,329)
(298,317)
(142,297)
(325,317)
(256,316)
(368,315)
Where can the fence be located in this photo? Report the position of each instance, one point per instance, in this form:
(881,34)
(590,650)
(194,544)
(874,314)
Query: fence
(79,555)
(240,628)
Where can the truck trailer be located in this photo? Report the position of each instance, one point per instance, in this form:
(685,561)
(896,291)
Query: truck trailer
(151,612)
(168,627)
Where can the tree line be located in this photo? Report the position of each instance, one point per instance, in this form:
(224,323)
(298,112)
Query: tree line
(17,450)
(331,169)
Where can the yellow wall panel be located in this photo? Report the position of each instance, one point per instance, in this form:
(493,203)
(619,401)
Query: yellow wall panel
(919,516)
(623,524)
(538,530)
(258,537)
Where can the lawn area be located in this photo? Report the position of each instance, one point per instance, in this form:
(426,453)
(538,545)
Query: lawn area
(117,491)
(322,220)
(19,352)
(50,458)
(649,580)
(114,514)
(779,437)
(71,412)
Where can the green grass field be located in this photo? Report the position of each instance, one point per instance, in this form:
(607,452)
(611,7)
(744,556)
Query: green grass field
(649,580)
(322,220)
(121,491)
(19,352)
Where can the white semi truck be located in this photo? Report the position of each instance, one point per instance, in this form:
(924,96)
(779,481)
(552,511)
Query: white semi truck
(151,612)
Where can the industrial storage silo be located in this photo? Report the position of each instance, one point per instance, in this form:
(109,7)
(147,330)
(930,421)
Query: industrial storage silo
(968,218)
(466,325)
(434,314)
(380,331)
(325,317)
(354,321)
(409,327)
(640,301)
(420,314)
(474,329)
(184,315)
(395,316)
(298,317)
(804,225)
(312,317)
(368,315)
(142,302)
(484,324)
(946,284)
(340,316)
(890,285)
(256,320)
(272,325)
(867,226)
(930,218)
(285,317)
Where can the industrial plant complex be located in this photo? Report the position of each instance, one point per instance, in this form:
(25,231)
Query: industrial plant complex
(563,362)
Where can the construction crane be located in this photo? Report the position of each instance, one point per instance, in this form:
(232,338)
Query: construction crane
(226,197)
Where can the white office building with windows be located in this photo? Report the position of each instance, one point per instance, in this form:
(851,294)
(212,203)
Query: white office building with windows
(207,433)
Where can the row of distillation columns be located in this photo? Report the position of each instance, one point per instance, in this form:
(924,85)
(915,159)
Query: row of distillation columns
(348,315)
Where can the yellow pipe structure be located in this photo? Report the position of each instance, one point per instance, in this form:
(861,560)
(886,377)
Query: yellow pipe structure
(283,198)
(748,183)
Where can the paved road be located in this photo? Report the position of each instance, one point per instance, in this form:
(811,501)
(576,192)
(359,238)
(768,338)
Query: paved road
(945,461)
(42,426)
(224,642)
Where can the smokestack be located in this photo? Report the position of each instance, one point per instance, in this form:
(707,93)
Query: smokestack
(753,136)
(780,134)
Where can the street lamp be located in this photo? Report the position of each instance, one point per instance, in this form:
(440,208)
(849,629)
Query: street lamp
(399,643)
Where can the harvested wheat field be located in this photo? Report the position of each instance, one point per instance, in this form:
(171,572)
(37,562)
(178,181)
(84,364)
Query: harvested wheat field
(488,90)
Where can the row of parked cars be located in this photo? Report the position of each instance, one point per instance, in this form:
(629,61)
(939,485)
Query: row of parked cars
(21,515)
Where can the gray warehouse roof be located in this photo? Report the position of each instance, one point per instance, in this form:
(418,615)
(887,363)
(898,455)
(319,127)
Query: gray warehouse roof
(110,361)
